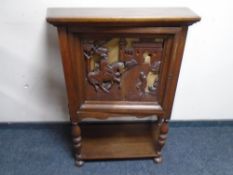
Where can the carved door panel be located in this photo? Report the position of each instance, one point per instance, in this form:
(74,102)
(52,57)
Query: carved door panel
(123,68)
(124,71)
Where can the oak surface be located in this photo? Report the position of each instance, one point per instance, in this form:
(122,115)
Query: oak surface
(172,16)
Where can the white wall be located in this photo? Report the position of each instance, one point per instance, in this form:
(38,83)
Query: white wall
(31,78)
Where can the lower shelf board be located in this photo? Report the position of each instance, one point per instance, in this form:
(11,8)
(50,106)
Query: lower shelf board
(118,141)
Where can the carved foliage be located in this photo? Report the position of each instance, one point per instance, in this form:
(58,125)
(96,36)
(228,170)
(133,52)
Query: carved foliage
(91,47)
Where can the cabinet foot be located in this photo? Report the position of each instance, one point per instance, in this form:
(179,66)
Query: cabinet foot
(79,163)
(158,159)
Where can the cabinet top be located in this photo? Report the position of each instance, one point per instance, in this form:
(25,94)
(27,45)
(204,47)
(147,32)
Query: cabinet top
(122,16)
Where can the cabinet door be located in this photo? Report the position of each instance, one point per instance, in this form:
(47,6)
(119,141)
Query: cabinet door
(125,70)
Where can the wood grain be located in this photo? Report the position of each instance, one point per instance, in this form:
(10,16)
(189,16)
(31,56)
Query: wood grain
(119,16)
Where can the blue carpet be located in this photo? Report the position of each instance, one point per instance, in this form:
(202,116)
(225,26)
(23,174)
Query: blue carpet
(191,149)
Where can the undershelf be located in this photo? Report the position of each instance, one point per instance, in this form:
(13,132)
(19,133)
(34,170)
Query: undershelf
(118,141)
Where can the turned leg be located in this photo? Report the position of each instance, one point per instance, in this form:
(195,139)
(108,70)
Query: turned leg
(163,130)
(76,134)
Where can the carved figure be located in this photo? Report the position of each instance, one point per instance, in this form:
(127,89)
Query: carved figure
(141,84)
(103,77)
(107,74)
(155,67)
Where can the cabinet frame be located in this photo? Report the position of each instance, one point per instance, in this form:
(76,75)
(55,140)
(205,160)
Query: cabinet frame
(115,140)
(73,63)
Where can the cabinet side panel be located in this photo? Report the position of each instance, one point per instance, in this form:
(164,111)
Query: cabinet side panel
(174,69)
(68,72)
(78,66)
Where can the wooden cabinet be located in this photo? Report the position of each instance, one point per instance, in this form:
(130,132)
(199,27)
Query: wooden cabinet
(118,63)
